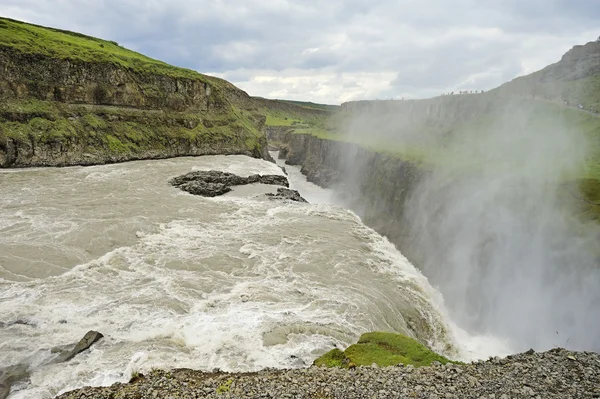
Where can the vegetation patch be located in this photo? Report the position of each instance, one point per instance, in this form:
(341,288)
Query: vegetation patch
(225,387)
(119,131)
(383,349)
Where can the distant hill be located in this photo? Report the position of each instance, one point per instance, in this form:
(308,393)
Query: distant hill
(572,81)
(304,104)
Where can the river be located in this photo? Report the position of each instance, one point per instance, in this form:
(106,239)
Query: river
(238,282)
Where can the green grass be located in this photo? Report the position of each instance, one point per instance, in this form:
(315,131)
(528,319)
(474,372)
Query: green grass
(383,349)
(57,43)
(276,120)
(311,105)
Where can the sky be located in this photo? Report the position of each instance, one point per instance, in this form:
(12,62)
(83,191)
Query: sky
(333,51)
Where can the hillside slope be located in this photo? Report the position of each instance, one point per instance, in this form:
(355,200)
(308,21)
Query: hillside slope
(572,81)
(67,98)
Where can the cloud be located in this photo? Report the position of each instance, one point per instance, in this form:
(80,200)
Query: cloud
(335,50)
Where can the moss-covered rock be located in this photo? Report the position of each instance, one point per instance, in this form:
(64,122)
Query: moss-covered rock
(383,349)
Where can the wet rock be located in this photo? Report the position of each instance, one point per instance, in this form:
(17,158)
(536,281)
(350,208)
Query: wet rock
(11,375)
(205,189)
(276,180)
(286,194)
(213,182)
(84,343)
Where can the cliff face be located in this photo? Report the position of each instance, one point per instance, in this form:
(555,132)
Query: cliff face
(97,102)
(45,78)
(372,184)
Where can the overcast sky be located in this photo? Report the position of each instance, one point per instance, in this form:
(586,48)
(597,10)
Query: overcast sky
(333,51)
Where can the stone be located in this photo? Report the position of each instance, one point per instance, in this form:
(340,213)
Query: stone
(84,343)
(213,183)
(286,194)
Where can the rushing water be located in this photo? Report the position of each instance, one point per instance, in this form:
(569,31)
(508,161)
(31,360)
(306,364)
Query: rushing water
(237,282)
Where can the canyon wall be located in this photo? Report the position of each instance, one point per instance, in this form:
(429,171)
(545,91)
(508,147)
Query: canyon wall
(372,184)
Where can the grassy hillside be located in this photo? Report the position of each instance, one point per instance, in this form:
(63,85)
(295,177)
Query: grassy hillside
(311,105)
(67,98)
(33,39)
(298,117)
(573,81)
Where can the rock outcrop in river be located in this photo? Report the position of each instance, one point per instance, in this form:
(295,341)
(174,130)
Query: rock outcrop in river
(287,194)
(212,183)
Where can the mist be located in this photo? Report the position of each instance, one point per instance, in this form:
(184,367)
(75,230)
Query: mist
(494,221)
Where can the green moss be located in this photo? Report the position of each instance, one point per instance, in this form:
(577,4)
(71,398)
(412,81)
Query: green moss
(28,109)
(225,387)
(333,358)
(93,121)
(115,144)
(383,349)
(14,130)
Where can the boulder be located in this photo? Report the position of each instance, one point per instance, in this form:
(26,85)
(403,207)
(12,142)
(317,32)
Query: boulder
(84,343)
(205,189)
(286,194)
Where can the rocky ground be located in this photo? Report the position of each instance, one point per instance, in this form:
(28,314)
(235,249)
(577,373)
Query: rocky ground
(554,374)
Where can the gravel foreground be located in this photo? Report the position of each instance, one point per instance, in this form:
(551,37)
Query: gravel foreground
(557,373)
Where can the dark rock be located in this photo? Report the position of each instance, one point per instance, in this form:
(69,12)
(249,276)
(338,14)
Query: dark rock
(276,180)
(11,375)
(205,189)
(84,343)
(286,194)
(213,182)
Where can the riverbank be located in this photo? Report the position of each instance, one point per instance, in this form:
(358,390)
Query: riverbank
(554,374)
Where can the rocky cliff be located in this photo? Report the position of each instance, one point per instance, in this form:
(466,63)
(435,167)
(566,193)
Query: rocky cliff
(68,99)
(372,184)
